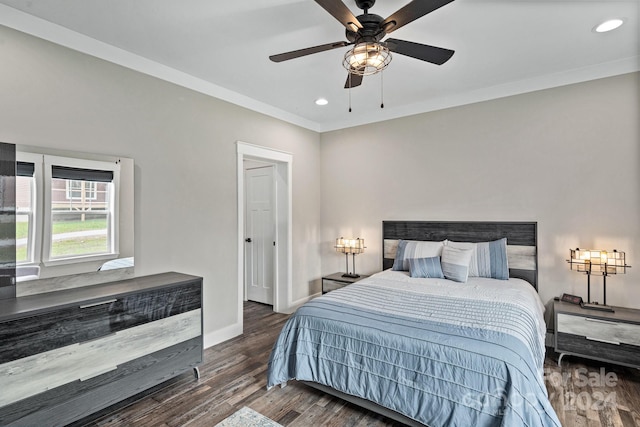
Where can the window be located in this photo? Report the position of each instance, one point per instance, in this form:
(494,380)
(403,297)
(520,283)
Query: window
(28,167)
(66,210)
(25,188)
(73,214)
(80,218)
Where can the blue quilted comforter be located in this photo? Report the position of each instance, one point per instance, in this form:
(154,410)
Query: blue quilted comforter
(439,352)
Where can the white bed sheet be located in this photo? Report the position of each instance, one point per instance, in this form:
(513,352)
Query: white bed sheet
(512,291)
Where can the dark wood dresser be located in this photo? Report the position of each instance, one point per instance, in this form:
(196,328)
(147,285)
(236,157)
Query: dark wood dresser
(67,354)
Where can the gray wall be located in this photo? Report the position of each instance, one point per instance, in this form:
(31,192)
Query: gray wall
(568,158)
(183,144)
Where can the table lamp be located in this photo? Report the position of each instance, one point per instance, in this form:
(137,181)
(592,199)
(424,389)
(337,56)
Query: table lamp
(597,261)
(350,246)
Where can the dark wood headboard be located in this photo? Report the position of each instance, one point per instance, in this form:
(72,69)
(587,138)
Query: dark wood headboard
(522,240)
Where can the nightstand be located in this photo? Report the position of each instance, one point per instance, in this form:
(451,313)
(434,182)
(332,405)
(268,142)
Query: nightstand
(336,281)
(598,335)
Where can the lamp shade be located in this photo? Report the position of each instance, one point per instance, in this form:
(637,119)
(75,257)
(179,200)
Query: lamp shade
(350,246)
(367,58)
(597,261)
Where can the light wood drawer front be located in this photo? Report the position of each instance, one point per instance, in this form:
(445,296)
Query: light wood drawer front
(599,330)
(35,374)
(77,399)
(332,285)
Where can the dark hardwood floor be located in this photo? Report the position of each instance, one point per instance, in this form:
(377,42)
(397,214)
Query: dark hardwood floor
(233,375)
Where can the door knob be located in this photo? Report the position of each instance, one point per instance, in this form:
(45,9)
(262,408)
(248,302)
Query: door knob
(248,240)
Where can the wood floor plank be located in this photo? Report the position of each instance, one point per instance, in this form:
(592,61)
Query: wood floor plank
(233,375)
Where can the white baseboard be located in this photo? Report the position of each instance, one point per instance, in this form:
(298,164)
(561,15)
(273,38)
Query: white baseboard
(298,303)
(222,335)
(232,331)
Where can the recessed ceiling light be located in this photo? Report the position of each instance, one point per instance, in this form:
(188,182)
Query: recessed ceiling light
(608,25)
(321,101)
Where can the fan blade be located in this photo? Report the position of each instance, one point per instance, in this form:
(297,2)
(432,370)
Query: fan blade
(353,80)
(412,11)
(308,51)
(423,52)
(338,10)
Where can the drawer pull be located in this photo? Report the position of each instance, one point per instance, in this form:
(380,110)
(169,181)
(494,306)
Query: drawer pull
(99,303)
(609,322)
(604,341)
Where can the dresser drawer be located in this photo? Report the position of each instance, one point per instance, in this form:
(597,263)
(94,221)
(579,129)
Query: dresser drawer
(67,354)
(85,322)
(68,402)
(137,309)
(595,329)
(29,376)
(35,334)
(617,353)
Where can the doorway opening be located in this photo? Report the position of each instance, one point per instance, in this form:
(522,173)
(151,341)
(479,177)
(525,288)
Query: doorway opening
(259,231)
(282,204)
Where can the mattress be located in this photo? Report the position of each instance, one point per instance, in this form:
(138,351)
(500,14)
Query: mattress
(439,352)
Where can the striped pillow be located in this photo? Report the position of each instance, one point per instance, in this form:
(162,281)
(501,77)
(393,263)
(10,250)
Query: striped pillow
(455,263)
(408,249)
(426,267)
(489,259)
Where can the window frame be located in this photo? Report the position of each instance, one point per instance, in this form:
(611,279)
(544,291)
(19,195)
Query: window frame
(34,233)
(113,214)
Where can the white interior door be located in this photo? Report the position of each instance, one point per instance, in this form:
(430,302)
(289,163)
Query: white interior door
(259,234)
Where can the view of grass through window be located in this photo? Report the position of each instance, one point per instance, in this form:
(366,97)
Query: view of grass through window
(22,233)
(74,237)
(77,237)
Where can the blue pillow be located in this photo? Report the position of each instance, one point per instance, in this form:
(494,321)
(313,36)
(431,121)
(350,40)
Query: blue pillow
(489,259)
(408,249)
(493,257)
(426,267)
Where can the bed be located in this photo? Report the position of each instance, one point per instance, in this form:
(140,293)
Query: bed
(431,350)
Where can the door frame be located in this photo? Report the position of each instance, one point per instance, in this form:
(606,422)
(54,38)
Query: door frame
(283,281)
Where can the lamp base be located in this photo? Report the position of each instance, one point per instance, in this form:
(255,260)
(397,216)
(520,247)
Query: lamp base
(596,306)
(351,275)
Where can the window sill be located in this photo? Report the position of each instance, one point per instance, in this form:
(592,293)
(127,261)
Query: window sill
(76,260)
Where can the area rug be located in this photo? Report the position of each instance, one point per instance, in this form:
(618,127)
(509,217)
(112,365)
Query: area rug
(247,417)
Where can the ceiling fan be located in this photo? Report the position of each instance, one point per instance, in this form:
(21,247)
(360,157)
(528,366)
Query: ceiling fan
(370,54)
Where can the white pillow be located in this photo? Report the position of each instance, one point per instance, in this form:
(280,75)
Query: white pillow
(408,249)
(455,263)
(473,263)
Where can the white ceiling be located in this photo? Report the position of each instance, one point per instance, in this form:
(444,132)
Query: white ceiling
(221,48)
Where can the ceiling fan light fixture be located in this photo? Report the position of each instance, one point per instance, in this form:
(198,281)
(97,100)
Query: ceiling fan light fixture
(608,25)
(367,58)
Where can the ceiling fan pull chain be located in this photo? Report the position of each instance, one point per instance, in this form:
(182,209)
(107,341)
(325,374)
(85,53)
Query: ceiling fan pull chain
(349,92)
(381,91)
